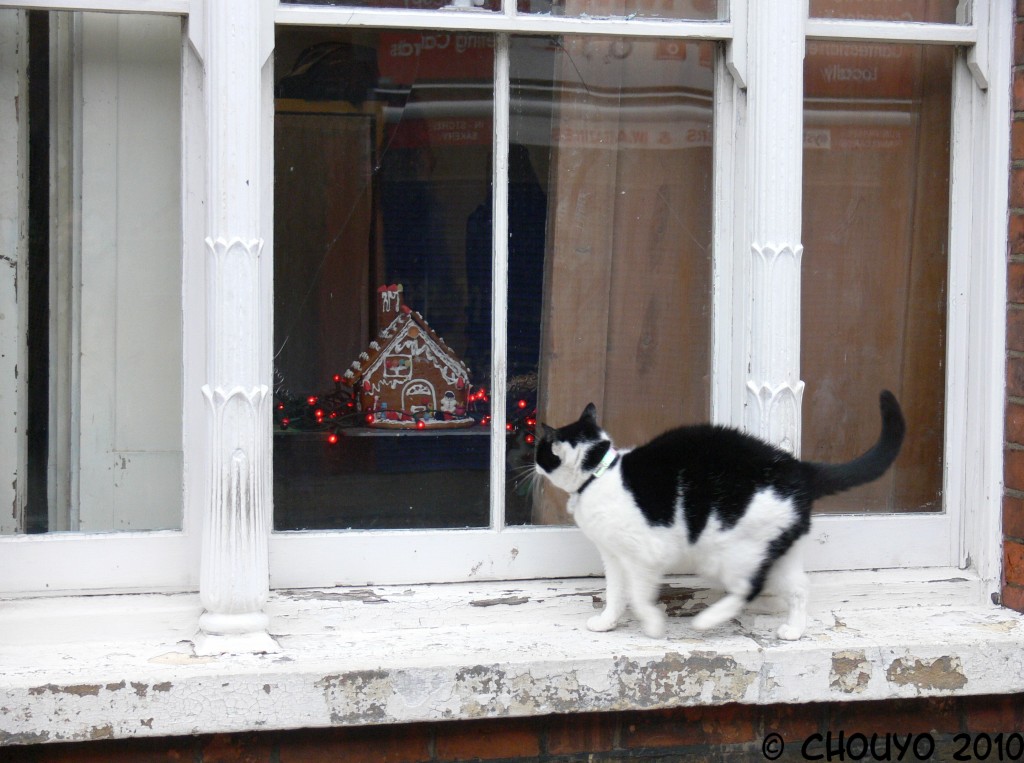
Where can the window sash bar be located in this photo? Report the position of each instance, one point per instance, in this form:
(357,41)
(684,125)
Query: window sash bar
(499,277)
(477,21)
(891,31)
(158,7)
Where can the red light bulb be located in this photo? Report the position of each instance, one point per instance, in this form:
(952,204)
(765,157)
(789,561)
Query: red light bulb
(332,438)
(311,399)
(522,403)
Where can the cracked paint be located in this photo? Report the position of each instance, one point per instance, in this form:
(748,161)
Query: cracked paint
(850,672)
(942,673)
(357,697)
(508,600)
(705,676)
(477,651)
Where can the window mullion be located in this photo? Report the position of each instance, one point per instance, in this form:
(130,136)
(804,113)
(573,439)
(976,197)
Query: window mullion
(234,579)
(499,282)
(775,139)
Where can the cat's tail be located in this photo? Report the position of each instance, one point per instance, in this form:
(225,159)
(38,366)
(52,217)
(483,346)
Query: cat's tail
(827,479)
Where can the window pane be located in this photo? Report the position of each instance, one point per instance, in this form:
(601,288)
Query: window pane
(416,5)
(99,318)
(609,243)
(935,11)
(875,232)
(382,162)
(690,10)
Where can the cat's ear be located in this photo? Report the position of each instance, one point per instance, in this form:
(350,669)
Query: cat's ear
(548,432)
(589,413)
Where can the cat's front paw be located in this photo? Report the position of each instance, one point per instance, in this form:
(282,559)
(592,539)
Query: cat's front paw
(600,623)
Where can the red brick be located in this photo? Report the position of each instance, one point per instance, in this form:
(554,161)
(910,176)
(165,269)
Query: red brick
(1017,234)
(1015,282)
(1013,469)
(1016,174)
(487,740)
(595,732)
(237,748)
(1015,377)
(1013,516)
(1013,597)
(904,716)
(1016,147)
(370,744)
(1015,330)
(1013,562)
(793,721)
(1014,424)
(1018,88)
(728,724)
(157,750)
(994,714)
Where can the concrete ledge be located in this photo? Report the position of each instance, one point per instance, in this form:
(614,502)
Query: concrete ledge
(123,666)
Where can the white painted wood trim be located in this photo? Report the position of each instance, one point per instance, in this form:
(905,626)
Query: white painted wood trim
(309,559)
(90,562)
(772,194)
(234,578)
(890,31)
(358,656)
(13,267)
(988,151)
(486,21)
(499,277)
(729,271)
(161,7)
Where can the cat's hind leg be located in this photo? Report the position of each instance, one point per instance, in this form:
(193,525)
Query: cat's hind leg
(789,581)
(721,611)
(615,595)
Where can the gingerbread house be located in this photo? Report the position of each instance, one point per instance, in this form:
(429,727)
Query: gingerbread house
(408,378)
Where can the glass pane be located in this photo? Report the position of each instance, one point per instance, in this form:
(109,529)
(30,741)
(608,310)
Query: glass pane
(610,197)
(417,5)
(96,443)
(935,11)
(875,232)
(382,161)
(690,10)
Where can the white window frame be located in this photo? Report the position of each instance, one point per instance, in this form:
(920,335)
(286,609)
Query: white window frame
(52,563)
(227,353)
(965,534)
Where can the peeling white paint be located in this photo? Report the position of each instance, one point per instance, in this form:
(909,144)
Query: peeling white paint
(400,654)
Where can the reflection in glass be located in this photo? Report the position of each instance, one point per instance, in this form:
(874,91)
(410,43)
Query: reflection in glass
(609,243)
(690,10)
(382,355)
(416,5)
(99,314)
(934,11)
(875,233)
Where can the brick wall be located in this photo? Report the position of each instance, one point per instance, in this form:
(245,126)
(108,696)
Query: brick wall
(729,733)
(1013,500)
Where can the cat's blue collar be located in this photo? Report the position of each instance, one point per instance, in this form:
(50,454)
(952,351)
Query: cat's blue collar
(609,460)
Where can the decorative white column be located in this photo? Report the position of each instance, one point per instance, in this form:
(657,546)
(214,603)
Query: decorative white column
(234,579)
(775,118)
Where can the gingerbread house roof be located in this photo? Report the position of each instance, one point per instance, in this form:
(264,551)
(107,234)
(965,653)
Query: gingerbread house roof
(401,327)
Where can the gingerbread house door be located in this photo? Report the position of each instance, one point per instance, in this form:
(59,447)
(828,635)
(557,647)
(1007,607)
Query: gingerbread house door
(419,396)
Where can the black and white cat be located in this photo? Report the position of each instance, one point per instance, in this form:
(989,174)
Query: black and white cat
(733,504)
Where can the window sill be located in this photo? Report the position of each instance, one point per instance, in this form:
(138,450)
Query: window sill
(121,666)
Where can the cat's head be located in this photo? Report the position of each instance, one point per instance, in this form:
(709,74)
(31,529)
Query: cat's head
(567,455)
